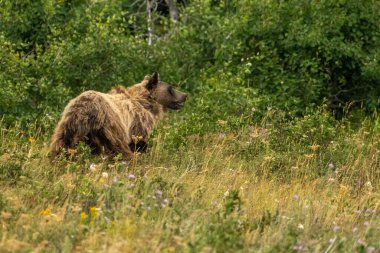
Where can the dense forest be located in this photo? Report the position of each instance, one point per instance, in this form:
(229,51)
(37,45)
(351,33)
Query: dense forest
(292,55)
(276,149)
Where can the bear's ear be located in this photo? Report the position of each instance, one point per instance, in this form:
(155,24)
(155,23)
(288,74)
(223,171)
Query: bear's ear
(153,81)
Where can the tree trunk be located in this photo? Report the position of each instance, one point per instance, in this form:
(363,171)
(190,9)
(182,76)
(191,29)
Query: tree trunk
(173,9)
(149,9)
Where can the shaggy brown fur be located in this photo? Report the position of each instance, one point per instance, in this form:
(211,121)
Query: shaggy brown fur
(117,122)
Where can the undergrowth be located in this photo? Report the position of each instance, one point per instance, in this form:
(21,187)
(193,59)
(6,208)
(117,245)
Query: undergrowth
(275,185)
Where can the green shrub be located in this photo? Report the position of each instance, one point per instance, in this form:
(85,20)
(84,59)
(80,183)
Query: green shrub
(229,55)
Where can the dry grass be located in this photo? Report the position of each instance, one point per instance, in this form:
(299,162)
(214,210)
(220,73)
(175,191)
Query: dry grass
(249,191)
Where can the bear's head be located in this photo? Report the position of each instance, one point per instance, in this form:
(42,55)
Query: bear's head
(164,93)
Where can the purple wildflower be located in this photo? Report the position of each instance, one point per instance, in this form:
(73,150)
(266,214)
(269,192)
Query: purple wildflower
(371,249)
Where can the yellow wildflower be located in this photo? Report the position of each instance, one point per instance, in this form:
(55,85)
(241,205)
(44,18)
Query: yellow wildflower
(32,140)
(83,216)
(309,156)
(314,147)
(46,212)
(71,151)
(94,211)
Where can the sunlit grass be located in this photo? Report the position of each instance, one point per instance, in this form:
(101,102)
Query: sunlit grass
(307,186)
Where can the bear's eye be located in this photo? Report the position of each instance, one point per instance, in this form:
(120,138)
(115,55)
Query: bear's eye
(170,90)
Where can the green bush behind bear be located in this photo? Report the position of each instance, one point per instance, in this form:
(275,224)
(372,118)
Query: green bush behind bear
(231,56)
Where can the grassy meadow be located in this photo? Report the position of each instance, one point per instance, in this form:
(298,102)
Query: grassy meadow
(310,185)
(277,148)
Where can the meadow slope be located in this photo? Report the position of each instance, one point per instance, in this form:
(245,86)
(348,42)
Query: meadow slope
(311,185)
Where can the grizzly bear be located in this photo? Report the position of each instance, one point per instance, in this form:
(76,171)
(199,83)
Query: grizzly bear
(116,122)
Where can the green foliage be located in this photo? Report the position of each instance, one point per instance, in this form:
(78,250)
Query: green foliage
(3,203)
(224,231)
(267,219)
(10,172)
(300,52)
(291,55)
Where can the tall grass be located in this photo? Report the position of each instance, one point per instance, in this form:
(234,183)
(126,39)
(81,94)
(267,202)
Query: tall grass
(308,185)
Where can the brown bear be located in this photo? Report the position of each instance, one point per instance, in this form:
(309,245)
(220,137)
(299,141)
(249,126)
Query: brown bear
(117,122)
